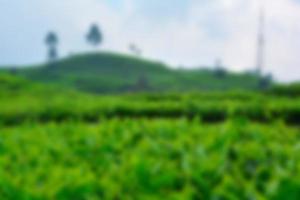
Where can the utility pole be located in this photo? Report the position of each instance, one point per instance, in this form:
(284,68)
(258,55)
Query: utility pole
(261,42)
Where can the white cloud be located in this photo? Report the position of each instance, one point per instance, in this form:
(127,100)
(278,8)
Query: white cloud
(192,34)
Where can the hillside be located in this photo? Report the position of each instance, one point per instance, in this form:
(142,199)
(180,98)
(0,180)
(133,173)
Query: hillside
(110,73)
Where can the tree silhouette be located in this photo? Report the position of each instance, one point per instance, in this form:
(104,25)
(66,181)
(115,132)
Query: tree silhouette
(94,36)
(52,42)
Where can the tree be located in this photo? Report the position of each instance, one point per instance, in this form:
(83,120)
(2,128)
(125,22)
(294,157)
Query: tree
(52,42)
(94,36)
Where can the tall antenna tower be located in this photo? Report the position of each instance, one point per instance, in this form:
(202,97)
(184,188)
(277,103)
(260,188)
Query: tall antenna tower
(261,41)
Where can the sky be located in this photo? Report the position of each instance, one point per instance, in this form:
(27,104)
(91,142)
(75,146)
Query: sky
(181,33)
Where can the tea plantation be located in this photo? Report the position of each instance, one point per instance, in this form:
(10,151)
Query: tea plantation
(62,144)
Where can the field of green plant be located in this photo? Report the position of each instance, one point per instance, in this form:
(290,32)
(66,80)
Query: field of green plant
(20,107)
(150,159)
(61,144)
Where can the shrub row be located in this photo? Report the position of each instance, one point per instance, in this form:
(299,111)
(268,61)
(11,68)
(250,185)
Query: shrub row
(209,113)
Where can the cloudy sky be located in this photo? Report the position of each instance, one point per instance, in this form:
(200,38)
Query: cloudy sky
(188,33)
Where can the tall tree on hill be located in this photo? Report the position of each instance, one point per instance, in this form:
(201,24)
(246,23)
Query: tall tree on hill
(52,42)
(94,36)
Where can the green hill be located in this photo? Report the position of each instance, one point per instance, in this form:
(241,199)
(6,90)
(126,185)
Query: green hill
(109,72)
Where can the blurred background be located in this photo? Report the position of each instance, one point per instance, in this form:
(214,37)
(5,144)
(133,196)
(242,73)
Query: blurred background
(149,99)
(188,34)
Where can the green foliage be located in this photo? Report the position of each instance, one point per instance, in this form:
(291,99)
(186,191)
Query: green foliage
(292,90)
(23,101)
(62,144)
(149,159)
